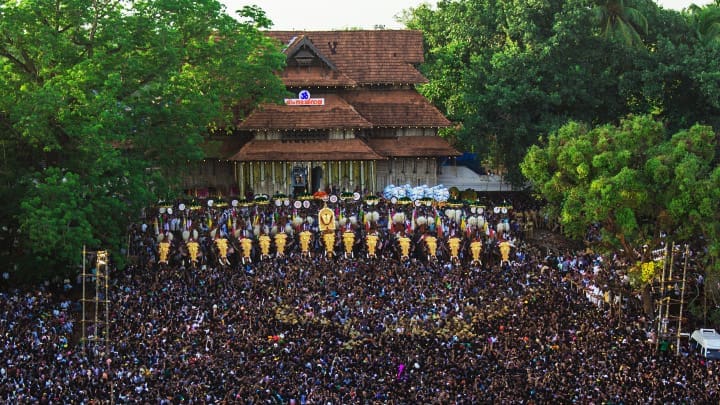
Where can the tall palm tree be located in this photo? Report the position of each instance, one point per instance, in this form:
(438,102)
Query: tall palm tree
(706,22)
(618,22)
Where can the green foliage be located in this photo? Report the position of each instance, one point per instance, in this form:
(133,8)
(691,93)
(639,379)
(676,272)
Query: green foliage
(633,179)
(99,101)
(706,23)
(619,22)
(509,71)
(57,216)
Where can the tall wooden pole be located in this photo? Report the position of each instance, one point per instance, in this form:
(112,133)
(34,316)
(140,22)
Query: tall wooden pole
(682,300)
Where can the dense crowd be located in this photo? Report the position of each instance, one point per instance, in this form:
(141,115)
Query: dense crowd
(312,330)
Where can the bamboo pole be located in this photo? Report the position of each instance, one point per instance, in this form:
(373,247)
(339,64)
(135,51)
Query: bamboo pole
(662,296)
(84,276)
(670,278)
(682,300)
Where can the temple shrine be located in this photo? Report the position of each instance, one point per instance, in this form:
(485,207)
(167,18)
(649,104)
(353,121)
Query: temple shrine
(354,121)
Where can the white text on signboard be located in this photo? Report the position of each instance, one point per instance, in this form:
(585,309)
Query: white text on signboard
(309,101)
(304,99)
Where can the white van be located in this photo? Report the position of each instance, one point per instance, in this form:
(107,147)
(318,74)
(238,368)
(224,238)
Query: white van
(706,342)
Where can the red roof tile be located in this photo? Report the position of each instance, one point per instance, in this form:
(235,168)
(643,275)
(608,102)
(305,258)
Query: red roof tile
(320,72)
(366,57)
(315,76)
(411,146)
(396,108)
(336,113)
(331,149)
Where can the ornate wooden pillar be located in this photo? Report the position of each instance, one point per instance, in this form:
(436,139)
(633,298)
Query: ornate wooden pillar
(252,178)
(329,174)
(235,176)
(362,176)
(285,178)
(274,181)
(242,179)
(309,178)
(263,180)
(351,175)
(339,174)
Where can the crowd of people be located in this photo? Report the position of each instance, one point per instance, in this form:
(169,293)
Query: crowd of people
(319,329)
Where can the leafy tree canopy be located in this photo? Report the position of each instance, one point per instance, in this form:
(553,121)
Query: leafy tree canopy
(618,22)
(508,71)
(705,22)
(633,179)
(93,97)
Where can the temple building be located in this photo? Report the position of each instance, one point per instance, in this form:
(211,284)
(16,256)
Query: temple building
(355,122)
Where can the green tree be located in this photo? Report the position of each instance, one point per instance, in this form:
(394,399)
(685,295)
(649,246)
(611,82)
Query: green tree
(706,22)
(641,185)
(618,22)
(507,72)
(99,100)
(632,178)
(454,33)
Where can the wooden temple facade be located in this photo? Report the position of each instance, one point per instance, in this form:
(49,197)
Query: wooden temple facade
(355,122)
